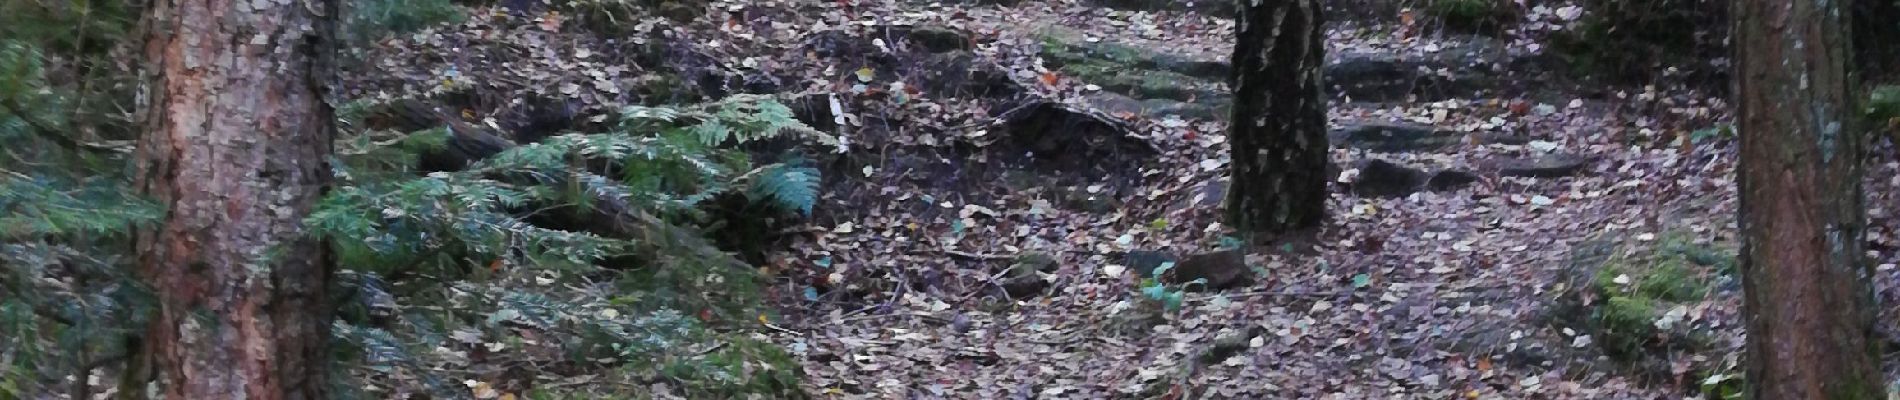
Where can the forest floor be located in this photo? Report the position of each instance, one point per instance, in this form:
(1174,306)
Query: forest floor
(1433,294)
(1013,172)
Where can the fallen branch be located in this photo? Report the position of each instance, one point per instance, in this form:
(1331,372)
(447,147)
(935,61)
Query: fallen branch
(978,256)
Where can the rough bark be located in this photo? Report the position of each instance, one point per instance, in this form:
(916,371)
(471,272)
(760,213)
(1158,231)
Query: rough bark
(1279,118)
(236,137)
(1807,295)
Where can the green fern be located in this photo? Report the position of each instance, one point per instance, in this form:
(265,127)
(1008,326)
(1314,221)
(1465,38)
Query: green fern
(790,185)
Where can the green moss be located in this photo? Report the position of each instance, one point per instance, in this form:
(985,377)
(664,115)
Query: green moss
(1625,324)
(1669,280)
(1633,287)
(1672,271)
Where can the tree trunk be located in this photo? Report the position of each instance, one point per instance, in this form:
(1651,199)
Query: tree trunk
(237,135)
(1807,299)
(1279,122)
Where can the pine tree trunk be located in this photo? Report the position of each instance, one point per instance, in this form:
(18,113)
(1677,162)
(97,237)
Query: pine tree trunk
(1807,299)
(1279,121)
(236,136)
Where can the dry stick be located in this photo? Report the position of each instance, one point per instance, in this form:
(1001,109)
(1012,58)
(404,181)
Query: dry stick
(978,256)
(1268,293)
(986,284)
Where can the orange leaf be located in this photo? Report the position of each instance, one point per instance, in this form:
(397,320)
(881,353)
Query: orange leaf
(1049,78)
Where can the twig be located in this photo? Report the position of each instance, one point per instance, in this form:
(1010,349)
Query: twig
(931,318)
(986,284)
(978,256)
(780,329)
(715,347)
(1267,293)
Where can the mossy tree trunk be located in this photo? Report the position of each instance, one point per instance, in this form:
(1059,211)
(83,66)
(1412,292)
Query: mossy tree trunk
(1807,296)
(237,132)
(1279,118)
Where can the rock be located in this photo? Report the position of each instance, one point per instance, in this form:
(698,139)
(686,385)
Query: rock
(1026,278)
(1387,77)
(1208,195)
(938,39)
(1392,137)
(1553,165)
(1450,180)
(1137,72)
(1145,261)
(1023,287)
(1633,300)
(1370,76)
(1380,178)
(1067,137)
(1118,104)
(1219,270)
(1230,343)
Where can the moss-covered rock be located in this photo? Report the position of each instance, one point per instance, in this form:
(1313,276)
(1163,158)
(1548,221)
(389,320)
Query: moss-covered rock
(1631,298)
(1137,73)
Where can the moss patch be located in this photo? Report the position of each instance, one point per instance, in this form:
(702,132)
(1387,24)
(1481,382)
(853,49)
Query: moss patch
(1631,297)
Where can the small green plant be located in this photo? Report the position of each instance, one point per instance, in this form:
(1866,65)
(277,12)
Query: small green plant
(1723,386)
(648,303)
(1723,131)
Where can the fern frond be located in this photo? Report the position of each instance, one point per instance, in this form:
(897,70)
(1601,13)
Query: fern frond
(792,186)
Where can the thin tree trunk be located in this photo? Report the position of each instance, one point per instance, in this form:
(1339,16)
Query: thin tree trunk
(236,138)
(1807,298)
(1279,121)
